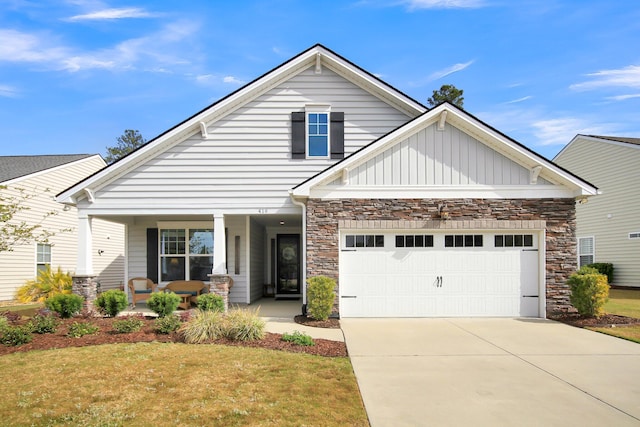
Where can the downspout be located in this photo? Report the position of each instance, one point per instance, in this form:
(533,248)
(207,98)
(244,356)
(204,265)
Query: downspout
(304,250)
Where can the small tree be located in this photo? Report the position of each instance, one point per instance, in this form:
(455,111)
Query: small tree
(448,93)
(320,297)
(127,142)
(48,284)
(589,291)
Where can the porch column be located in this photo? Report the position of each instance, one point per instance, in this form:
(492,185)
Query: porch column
(84,279)
(219,249)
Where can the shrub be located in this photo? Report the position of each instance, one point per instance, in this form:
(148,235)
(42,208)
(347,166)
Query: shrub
(80,329)
(210,302)
(44,323)
(605,268)
(111,302)
(4,324)
(243,325)
(589,291)
(16,335)
(204,326)
(320,297)
(163,303)
(298,338)
(66,305)
(48,284)
(127,325)
(166,324)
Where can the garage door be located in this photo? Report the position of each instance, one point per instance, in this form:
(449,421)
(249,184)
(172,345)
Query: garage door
(409,274)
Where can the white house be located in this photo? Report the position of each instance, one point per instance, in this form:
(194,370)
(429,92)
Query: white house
(319,167)
(40,178)
(608,227)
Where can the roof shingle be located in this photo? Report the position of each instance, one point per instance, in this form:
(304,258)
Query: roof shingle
(12,167)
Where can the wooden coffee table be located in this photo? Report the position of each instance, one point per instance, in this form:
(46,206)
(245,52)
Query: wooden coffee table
(185,302)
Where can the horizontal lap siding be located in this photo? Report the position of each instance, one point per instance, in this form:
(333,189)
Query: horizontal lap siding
(614,170)
(246,162)
(432,157)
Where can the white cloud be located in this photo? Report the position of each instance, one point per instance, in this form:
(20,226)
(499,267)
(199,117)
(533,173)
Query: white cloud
(8,91)
(628,76)
(562,130)
(233,80)
(515,101)
(205,78)
(16,46)
(449,70)
(623,97)
(444,4)
(114,13)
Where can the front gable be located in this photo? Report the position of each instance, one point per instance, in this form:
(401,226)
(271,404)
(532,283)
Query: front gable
(445,153)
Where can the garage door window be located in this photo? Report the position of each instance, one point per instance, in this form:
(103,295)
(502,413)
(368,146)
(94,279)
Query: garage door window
(513,240)
(364,241)
(462,240)
(414,241)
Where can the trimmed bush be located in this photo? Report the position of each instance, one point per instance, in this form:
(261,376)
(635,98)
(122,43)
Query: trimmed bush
(48,284)
(163,303)
(44,323)
(320,297)
(16,335)
(243,325)
(204,326)
(127,325)
(605,268)
(589,291)
(298,338)
(4,324)
(167,324)
(111,302)
(210,302)
(66,305)
(80,329)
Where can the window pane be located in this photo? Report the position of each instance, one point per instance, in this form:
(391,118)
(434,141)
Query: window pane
(499,241)
(172,268)
(428,241)
(517,240)
(369,241)
(172,242)
(318,146)
(419,241)
(448,241)
(360,241)
(399,241)
(201,242)
(200,267)
(459,241)
(379,241)
(408,241)
(351,242)
(322,118)
(322,129)
(508,240)
(477,240)
(528,240)
(313,118)
(468,240)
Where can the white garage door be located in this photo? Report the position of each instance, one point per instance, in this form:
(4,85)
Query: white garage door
(410,274)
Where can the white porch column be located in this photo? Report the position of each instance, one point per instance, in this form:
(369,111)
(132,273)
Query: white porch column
(219,249)
(84,264)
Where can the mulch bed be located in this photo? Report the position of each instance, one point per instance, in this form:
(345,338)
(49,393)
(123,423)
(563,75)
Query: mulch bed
(107,335)
(330,323)
(605,321)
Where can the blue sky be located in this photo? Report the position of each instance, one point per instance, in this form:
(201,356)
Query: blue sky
(75,74)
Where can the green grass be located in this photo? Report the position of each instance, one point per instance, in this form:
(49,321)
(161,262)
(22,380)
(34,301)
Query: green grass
(23,309)
(163,384)
(623,302)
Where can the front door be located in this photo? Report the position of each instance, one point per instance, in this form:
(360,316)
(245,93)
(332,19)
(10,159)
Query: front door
(288,283)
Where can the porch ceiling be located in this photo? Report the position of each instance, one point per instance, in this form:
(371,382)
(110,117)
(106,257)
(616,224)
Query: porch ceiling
(275,220)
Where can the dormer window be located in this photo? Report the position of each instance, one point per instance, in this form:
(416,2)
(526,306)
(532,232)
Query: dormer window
(317,133)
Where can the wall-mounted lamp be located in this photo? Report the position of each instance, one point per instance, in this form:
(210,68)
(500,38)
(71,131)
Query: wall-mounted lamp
(100,252)
(281,222)
(66,208)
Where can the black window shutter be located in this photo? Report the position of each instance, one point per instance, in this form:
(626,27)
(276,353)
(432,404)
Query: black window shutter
(152,254)
(297,135)
(337,135)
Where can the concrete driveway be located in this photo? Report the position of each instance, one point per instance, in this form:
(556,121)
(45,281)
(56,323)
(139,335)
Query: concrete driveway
(492,372)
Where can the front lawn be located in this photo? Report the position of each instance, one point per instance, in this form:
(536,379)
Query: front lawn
(167,384)
(623,302)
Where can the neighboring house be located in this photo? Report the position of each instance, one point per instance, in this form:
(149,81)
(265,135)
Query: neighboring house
(608,226)
(41,178)
(319,167)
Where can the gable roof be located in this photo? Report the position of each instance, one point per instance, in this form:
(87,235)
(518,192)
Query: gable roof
(635,141)
(464,121)
(12,167)
(317,55)
(616,140)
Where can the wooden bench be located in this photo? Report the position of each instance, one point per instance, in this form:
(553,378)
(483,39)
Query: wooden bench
(192,287)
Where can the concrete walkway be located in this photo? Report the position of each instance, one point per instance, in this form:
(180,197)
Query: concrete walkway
(492,372)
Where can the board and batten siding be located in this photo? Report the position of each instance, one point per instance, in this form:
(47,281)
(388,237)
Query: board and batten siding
(613,168)
(19,265)
(245,163)
(433,157)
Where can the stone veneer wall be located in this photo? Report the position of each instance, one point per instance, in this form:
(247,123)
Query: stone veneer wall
(559,216)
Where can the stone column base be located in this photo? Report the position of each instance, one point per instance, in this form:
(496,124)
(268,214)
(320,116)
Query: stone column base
(87,288)
(219,284)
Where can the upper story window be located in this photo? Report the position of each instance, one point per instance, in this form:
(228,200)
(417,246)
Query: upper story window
(318,135)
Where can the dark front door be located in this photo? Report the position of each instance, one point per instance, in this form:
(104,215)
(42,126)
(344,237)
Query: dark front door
(288,264)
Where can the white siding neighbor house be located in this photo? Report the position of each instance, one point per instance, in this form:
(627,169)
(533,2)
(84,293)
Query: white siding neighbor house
(41,178)
(320,168)
(608,226)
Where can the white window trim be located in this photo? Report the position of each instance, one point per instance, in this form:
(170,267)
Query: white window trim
(50,257)
(186,226)
(593,249)
(317,109)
